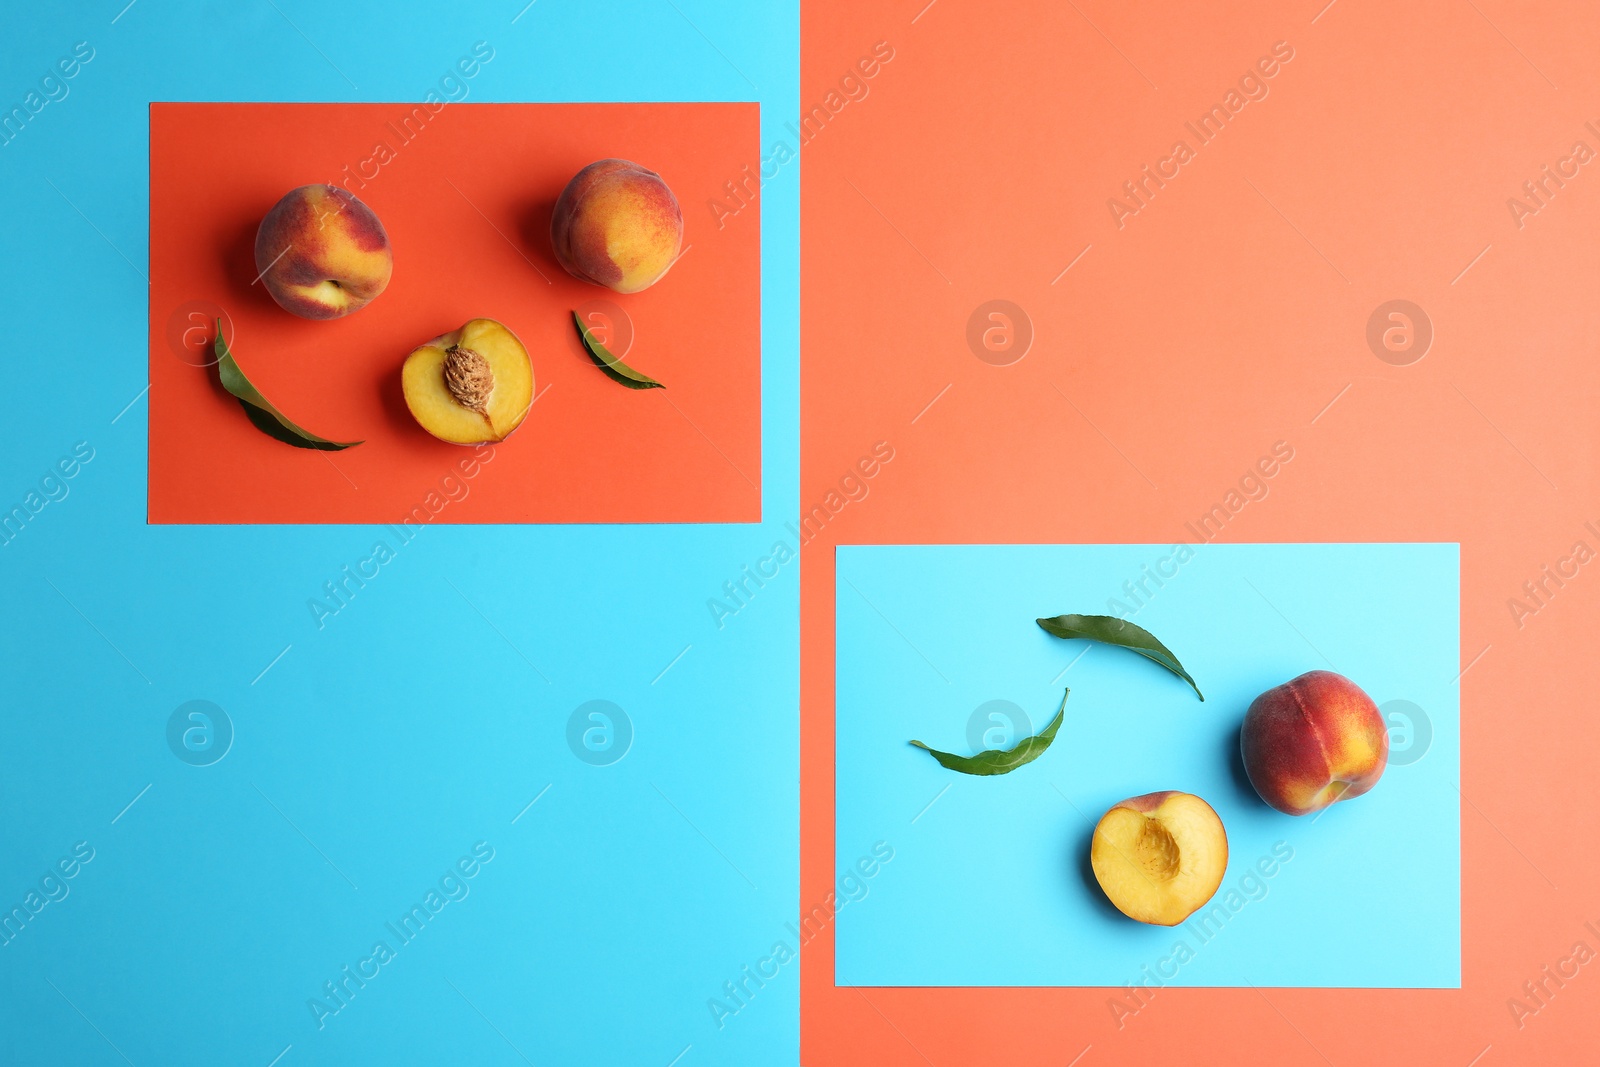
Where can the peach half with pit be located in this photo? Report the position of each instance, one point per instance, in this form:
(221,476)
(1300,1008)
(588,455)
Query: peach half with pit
(1159,857)
(617,224)
(470,385)
(1312,741)
(322,253)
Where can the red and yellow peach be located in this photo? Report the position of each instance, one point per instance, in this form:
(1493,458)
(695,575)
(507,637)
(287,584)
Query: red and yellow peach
(1312,741)
(322,253)
(617,224)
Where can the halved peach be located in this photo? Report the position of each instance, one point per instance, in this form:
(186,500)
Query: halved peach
(471,385)
(1159,856)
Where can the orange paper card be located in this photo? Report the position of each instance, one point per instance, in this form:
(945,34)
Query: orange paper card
(465,193)
(1096,319)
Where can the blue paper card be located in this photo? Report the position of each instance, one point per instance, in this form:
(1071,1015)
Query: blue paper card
(990,885)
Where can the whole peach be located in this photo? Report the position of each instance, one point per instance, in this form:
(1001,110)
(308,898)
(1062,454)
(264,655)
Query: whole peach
(1313,740)
(322,253)
(617,224)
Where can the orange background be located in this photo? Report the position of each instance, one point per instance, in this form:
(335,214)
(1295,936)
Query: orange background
(1228,314)
(466,203)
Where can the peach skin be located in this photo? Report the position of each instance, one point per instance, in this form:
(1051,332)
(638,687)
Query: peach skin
(1159,857)
(322,253)
(617,224)
(1313,740)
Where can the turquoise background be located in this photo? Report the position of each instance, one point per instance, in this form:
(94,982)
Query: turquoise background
(990,883)
(375,752)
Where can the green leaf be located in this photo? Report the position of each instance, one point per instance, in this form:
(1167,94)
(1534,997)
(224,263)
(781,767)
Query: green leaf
(268,419)
(1114,631)
(998,761)
(614,368)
